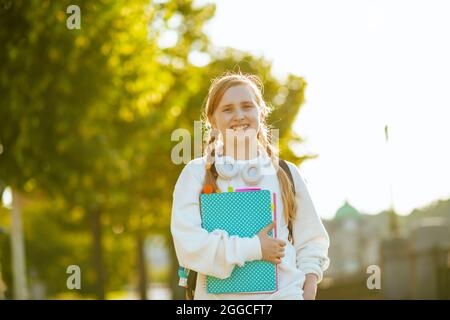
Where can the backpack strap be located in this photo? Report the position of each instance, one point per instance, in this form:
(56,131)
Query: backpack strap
(192,275)
(285,167)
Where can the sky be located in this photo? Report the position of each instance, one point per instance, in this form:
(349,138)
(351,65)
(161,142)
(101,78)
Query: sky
(367,64)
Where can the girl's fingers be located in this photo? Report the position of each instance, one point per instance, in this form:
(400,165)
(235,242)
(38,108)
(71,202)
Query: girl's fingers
(277,257)
(278,250)
(268,228)
(280,243)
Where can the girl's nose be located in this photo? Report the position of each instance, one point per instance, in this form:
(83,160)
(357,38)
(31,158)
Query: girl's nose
(239,114)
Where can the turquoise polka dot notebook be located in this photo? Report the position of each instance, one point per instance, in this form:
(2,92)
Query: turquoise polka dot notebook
(243,214)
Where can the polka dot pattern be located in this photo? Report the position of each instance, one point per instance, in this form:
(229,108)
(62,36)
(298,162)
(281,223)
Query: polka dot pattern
(243,214)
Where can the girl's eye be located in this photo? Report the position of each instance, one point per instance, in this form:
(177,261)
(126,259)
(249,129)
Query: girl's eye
(226,110)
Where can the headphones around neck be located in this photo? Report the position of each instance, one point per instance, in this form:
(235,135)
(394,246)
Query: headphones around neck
(251,172)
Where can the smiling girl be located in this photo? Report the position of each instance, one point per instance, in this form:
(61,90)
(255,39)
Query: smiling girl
(236,112)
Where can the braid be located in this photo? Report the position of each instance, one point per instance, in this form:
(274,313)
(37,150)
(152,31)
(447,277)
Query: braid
(211,173)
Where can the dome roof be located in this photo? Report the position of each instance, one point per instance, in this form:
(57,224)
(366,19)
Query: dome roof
(347,212)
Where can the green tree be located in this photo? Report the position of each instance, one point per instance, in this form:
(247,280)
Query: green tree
(70,96)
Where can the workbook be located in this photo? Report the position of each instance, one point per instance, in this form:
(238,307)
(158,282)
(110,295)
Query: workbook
(242,214)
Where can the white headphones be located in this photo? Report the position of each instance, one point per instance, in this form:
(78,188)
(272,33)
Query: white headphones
(227,167)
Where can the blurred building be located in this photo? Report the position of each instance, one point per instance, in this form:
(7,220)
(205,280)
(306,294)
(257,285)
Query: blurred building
(355,240)
(415,265)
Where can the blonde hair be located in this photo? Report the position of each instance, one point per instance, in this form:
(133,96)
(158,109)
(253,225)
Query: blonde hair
(216,91)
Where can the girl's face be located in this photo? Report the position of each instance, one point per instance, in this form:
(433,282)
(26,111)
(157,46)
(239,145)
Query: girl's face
(237,112)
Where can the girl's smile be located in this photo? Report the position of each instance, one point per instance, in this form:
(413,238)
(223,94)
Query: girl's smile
(240,127)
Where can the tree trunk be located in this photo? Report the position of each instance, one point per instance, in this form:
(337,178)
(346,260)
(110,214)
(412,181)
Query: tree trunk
(98,252)
(18,249)
(142,270)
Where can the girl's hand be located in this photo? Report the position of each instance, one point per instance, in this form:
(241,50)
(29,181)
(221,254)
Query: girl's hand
(272,249)
(310,287)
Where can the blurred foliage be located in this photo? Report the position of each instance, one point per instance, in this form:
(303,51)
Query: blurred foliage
(87,117)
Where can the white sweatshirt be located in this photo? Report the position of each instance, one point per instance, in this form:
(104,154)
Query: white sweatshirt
(217,253)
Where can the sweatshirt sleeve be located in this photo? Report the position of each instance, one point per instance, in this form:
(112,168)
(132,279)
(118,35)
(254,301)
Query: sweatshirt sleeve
(311,240)
(215,253)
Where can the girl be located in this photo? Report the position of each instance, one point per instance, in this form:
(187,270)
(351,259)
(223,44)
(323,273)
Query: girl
(235,108)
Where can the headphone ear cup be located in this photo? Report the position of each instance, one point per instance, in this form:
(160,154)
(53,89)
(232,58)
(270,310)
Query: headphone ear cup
(226,167)
(251,173)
